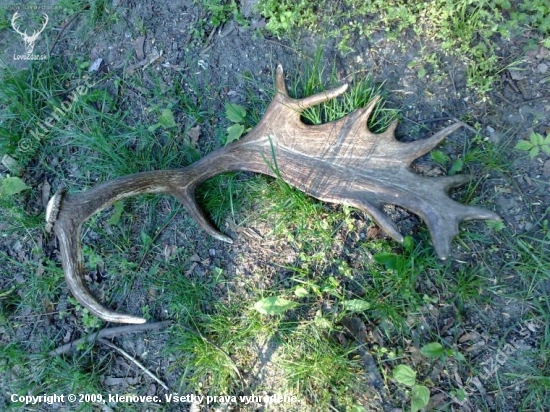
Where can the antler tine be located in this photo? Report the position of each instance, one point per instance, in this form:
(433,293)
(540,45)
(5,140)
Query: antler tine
(414,150)
(73,210)
(306,102)
(67,213)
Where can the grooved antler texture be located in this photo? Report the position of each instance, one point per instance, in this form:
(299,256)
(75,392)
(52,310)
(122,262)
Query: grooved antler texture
(340,162)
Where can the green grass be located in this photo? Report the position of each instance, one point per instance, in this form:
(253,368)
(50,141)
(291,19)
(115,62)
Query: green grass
(462,28)
(24,96)
(328,270)
(38,374)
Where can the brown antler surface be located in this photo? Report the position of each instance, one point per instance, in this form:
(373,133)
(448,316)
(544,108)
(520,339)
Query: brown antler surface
(340,162)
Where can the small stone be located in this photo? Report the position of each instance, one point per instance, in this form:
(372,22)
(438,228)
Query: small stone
(546,169)
(96,64)
(493,136)
(516,74)
(542,68)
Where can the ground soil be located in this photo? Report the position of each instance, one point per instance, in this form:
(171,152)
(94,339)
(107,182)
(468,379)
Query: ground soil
(518,105)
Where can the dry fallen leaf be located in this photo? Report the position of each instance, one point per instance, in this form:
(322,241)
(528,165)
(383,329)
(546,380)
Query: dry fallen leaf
(469,336)
(194,134)
(46,188)
(138,46)
(169,250)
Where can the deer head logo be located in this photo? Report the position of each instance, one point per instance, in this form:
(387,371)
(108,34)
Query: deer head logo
(29,40)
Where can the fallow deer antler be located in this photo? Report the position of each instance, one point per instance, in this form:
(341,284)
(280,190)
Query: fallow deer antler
(340,162)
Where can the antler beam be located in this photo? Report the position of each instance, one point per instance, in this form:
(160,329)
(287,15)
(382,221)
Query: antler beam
(339,162)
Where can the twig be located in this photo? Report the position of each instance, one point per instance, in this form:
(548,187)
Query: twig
(418,123)
(466,125)
(302,54)
(109,333)
(536,99)
(436,119)
(134,360)
(357,329)
(40,315)
(86,7)
(504,99)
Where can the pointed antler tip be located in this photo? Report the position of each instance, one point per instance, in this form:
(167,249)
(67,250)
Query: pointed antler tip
(224,238)
(279,73)
(280,86)
(133,320)
(443,247)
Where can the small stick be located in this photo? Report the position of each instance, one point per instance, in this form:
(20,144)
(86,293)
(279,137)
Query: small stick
(466,125)
(109,333)
(134,360)
(86,7)
(536,99)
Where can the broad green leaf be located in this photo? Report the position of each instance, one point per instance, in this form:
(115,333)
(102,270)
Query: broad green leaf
(422,72)
(145,239)
(408,243)
(456,167)
(321,321)
(13,166)
(235,112)
(234,133)
(114,219)
(356,305)
(536,139)
(459,356)
(460,394)
(432,350)
(404,374)
(166,119)
(523,145)
(546,148)
(330,284)
(439,157)
(420,396)
(534,152)
(153,127)
(301,292)
(11,186)
(274,305)
(390,260)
